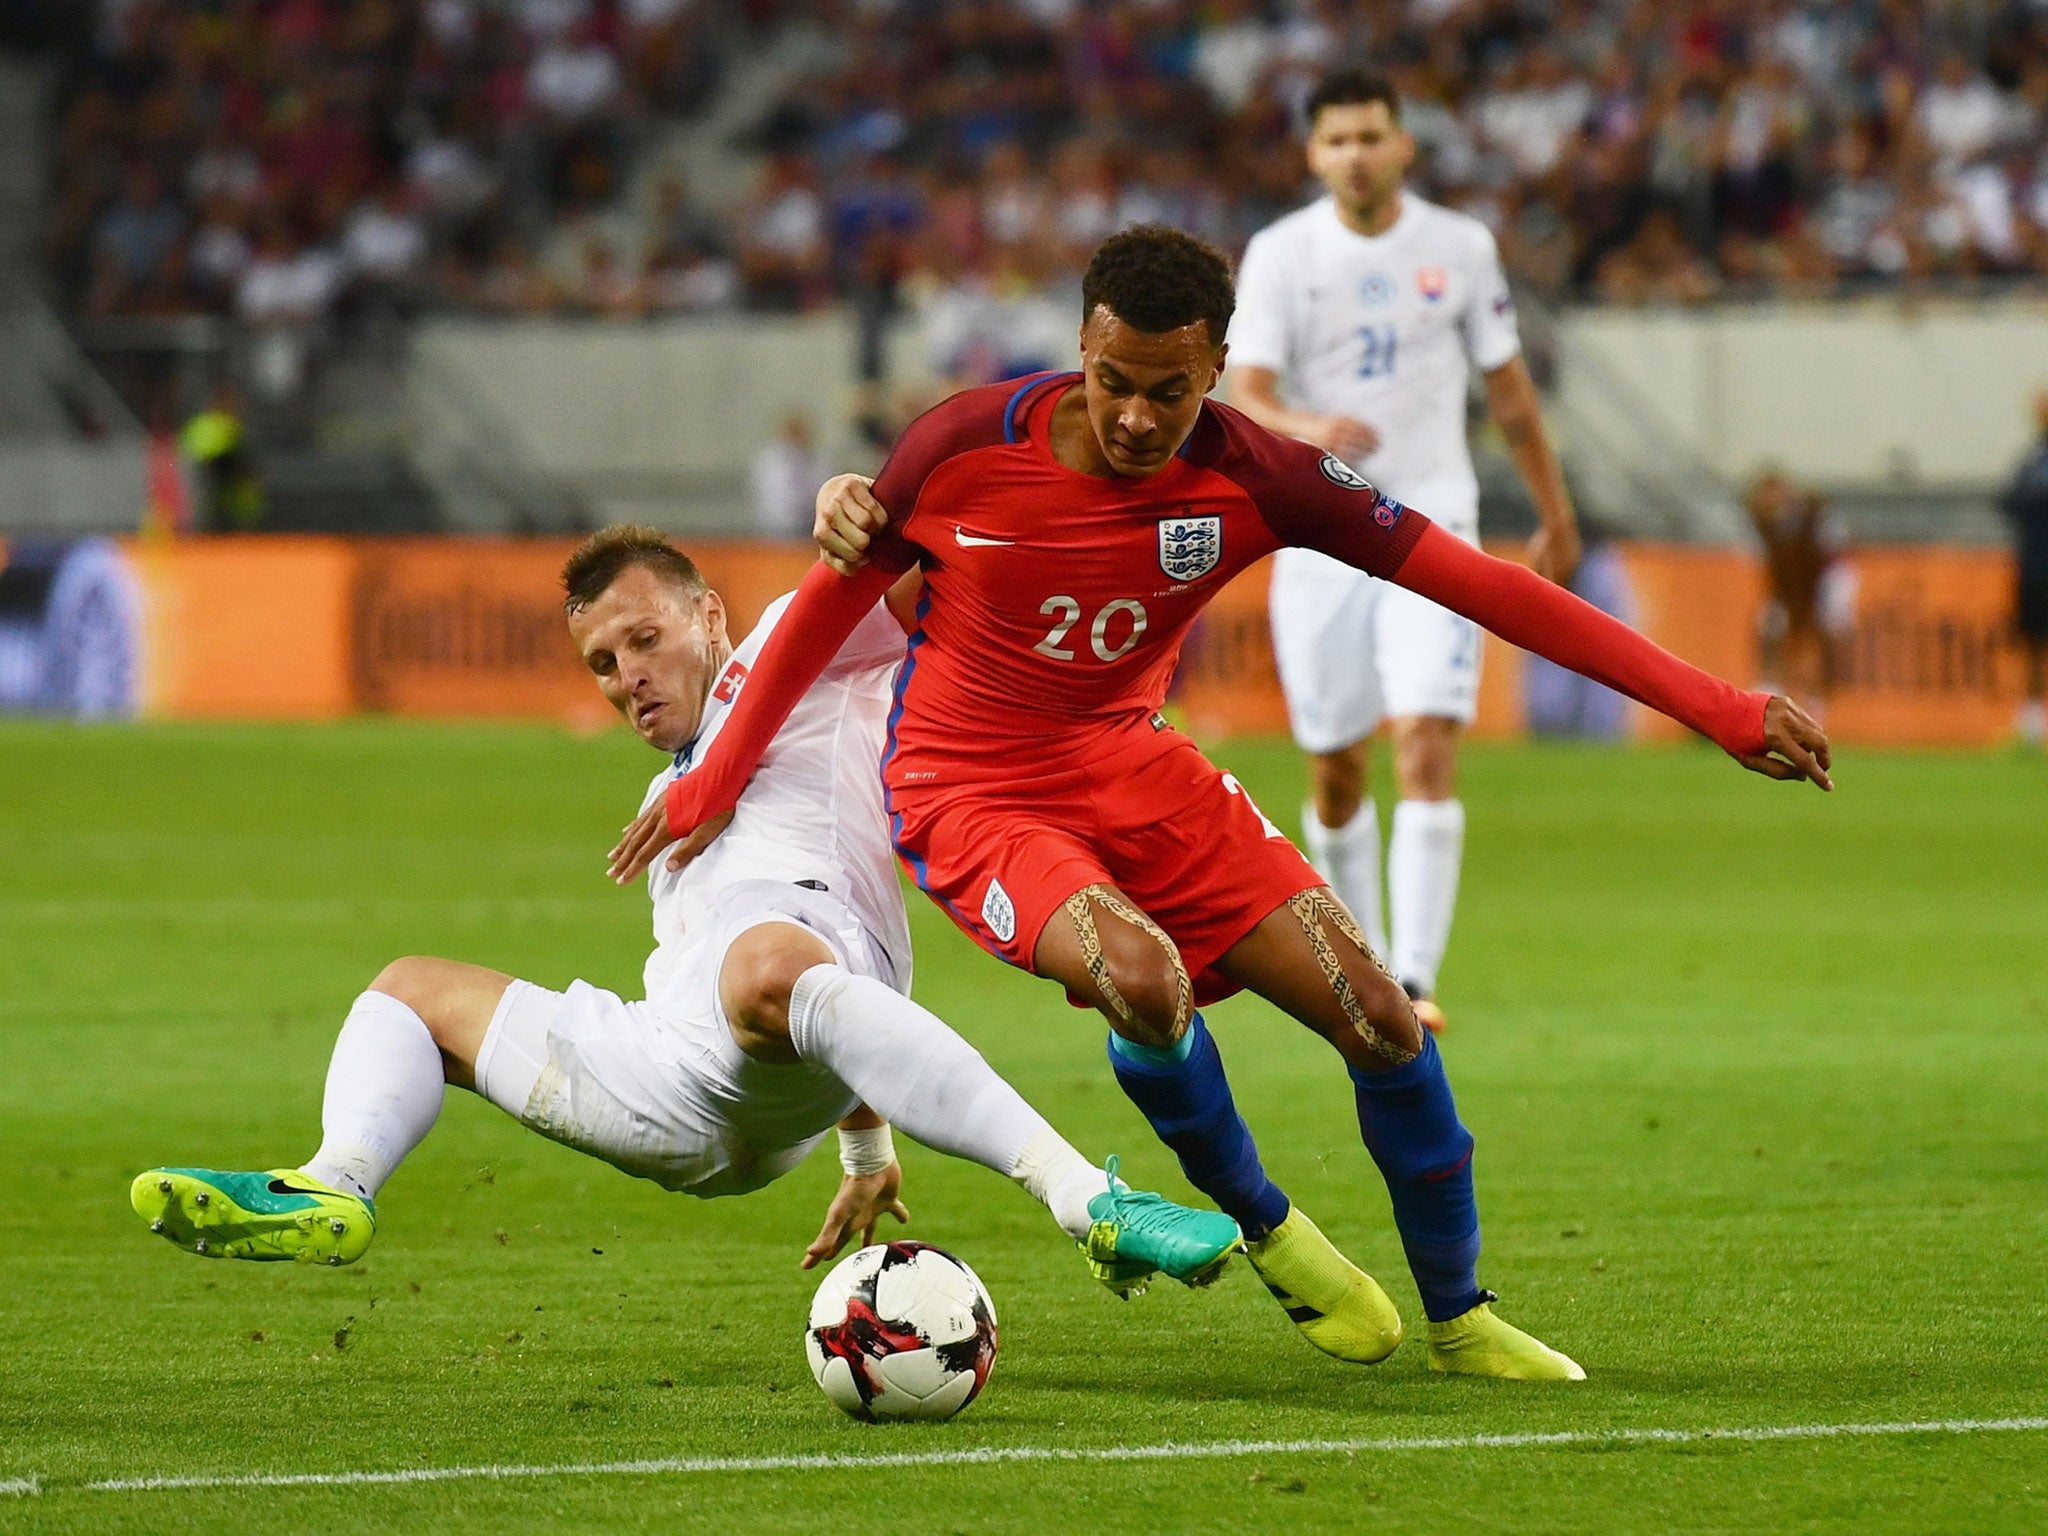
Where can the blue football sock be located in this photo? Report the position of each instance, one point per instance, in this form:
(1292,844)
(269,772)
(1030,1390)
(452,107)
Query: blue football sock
(1410,1126)
(1181,1090)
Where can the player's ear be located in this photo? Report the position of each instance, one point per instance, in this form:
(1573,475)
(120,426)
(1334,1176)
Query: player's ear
(714,615)
(1216,363)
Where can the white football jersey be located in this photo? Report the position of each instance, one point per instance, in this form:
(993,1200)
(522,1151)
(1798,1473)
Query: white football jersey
(811,813)
(1384,328)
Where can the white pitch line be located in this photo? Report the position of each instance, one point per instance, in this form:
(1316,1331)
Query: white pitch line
(26,1486)
(989,1455)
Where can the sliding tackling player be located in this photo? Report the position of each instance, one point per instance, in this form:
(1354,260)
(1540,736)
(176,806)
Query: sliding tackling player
(776,994)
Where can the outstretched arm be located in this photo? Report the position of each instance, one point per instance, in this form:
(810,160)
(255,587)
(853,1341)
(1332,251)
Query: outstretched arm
(1767,734)
(871,1188)
(825,610)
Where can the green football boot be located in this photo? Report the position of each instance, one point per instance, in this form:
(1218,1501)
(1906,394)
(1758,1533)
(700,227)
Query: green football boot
(282,1214)
(1338,1307)
(1476,1343)
(1137,1235)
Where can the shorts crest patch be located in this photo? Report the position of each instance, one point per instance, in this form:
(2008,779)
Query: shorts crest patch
(999,912)
(1190,546)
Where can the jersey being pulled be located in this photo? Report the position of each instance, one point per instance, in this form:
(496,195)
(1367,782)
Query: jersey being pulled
(1055,602)
(1385,329)
(812,812)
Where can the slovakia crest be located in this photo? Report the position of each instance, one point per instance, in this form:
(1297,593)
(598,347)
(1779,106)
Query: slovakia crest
(1433,282)
(729,682)
(1190,546)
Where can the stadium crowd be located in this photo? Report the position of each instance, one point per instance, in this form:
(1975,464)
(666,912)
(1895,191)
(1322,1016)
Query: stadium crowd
(277,158)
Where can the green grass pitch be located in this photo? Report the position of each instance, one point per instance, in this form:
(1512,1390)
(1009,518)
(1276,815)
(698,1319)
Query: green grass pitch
(1759,1077)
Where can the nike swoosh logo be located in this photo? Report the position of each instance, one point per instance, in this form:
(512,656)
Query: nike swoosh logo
(974,540)
(279,1187)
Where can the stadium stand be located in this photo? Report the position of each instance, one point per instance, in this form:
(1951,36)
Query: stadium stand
(280,160)
(272,192)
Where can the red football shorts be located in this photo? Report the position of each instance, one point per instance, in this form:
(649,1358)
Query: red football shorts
(1149,815)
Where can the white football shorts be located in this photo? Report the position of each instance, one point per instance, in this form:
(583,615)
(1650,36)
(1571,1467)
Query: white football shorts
(659,1089)
(1353,651)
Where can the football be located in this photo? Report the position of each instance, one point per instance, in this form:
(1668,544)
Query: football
(902,1331)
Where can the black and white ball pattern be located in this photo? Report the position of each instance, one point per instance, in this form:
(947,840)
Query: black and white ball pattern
(901,1331)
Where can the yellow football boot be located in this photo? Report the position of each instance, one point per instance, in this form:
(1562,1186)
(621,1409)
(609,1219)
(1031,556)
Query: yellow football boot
(282,1214)
(1476,1343)
(1338,1307)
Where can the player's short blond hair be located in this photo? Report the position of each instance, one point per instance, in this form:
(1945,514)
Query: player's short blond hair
(599,560)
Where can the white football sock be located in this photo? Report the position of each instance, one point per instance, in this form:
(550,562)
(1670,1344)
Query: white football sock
(1349,858)
(1423,857)
(384,1090)
(909,1067)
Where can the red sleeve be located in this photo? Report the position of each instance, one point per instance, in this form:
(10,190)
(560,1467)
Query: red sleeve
(1525,610)
(825,610)
(828,606)
(1307,498)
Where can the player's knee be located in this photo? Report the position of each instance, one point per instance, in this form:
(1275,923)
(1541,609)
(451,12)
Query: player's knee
(1151,984)
(415,980)
(1337,784)
(755,985)
(1426,760)
(1392,1034)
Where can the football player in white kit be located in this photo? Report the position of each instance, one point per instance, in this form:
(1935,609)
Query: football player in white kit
(1358,320)
(776,1004)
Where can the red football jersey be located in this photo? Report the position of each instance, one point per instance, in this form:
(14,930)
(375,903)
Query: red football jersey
(1056,601)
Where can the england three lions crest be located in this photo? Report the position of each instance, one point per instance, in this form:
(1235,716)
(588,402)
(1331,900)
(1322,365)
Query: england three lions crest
(1189,547)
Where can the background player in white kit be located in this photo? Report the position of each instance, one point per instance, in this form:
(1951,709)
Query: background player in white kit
(1358,320)
(775,1008)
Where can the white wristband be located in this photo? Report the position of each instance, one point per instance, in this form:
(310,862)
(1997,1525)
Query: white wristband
(862,1153)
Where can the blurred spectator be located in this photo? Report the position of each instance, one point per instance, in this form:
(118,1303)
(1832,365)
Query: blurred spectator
(1853,219)
(385,243)
(509,282)
(216,444)
(135,242)
(1232,53)
(2026,503)
(1809,602)
(1655,266)
(597,283)
(984,327)
(784,261)
(1960,114)
(784,480)
(287,282)
(1535,112)
(288,288)
(687,267)
(218,253)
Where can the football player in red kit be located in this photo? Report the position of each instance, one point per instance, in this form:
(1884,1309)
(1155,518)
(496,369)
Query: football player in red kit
(1069,529)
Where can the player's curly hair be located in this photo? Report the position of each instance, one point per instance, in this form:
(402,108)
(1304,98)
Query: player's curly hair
(600,559)
(1158,279)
